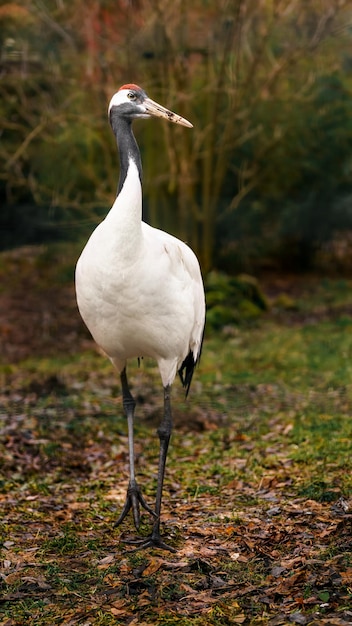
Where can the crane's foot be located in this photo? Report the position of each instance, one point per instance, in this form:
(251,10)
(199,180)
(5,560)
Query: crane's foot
(153,541)
(134,500)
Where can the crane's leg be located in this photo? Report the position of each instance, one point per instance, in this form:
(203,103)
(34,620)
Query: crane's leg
(164,432)
(134,497)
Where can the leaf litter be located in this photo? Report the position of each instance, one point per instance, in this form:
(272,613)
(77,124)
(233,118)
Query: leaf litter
(246,551)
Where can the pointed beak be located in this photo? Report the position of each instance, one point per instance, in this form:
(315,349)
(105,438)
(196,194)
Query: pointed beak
(155,109)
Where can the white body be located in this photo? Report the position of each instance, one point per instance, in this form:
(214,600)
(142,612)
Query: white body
(140,290)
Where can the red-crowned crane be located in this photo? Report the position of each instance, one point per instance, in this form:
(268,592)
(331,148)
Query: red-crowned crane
(140,292)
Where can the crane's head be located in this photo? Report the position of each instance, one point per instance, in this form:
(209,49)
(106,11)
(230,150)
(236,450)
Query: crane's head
(131,102)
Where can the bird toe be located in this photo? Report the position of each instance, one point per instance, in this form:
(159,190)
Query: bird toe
(134,500)
(142,543)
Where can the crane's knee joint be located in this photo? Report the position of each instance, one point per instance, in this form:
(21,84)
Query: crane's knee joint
(129,405)
(164,432)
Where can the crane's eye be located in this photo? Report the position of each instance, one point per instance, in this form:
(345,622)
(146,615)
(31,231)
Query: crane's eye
(131,95)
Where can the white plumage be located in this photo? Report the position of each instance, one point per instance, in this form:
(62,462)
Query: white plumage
(140,290)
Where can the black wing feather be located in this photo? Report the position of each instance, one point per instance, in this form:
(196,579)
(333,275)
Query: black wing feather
(187,368)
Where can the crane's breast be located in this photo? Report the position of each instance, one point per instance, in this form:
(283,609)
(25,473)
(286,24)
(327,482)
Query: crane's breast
(149,304)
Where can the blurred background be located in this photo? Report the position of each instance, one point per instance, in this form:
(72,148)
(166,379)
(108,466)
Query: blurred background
(264,180)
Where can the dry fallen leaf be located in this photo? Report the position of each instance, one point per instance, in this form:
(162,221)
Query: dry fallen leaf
(153,566)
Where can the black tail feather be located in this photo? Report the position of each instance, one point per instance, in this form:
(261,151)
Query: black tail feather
(187,368)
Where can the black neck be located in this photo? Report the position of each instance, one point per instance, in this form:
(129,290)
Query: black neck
(127,146)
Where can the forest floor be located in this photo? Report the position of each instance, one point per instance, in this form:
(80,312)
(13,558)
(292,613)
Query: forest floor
(257,499)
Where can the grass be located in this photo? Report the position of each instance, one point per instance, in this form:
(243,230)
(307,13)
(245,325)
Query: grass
(259,458)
